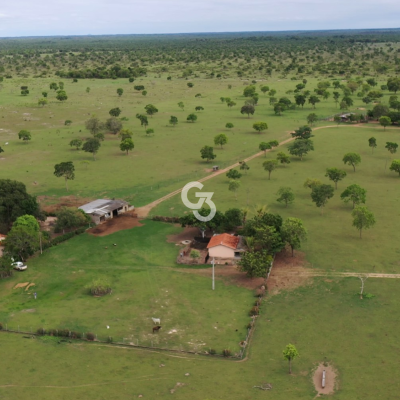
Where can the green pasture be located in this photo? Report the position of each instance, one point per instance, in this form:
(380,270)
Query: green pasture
(159,163)
(333,243)
(326,321)
(144,284)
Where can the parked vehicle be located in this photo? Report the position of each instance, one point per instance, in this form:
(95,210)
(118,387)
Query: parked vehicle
(19,266)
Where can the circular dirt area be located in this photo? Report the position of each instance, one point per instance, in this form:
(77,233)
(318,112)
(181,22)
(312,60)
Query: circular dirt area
(122,222)
(330,379)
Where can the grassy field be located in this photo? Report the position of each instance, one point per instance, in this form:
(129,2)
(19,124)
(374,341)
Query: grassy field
(333,243)
(160,163)
(144,285)
(326,322)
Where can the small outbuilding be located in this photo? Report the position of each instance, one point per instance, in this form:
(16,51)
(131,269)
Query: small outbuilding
(226,247)
(103,209)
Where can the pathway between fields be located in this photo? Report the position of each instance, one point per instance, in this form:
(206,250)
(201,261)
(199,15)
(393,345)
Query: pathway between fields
(311,273)
(143,212)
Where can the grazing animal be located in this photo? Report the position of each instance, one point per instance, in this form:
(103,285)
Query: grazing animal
(156,321)
(156,328)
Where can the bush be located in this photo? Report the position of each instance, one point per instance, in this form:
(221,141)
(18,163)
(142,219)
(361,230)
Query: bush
(90,336)
(249,325)
(41,331)
(226,353)
(213,352)
(67,122)
(1,326)
(99,287)
(254,311)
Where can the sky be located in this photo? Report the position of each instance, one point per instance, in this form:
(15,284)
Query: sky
(82,17)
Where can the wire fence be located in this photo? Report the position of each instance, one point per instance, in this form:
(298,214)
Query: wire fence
(67,335)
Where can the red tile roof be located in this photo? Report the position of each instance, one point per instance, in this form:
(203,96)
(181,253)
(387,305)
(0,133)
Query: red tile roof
(225,240)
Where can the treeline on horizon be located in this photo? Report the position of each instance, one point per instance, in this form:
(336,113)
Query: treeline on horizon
(220,55)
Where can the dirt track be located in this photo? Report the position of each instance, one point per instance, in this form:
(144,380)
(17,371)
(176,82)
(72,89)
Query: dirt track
(124,221)
(143,212)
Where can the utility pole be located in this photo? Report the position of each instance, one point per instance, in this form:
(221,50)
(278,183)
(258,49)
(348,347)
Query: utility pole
(213,274)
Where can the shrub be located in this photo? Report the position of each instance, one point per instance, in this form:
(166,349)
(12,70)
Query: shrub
(67,122)
(76,335)
(226,353)
(213,351)
(1,326)
(254,311)
(41,331)
(99,287)
(90,336)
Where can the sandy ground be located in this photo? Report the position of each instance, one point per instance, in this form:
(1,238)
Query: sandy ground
(330,380)
(124,221)
(187,234)
(53,204)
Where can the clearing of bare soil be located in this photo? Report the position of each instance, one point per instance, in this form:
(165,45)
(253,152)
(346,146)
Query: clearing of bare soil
(187,234)
(124,221)
(288,272)
(52,204)
(330,380)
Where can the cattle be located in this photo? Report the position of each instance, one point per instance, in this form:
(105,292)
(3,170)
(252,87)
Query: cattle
(156,328)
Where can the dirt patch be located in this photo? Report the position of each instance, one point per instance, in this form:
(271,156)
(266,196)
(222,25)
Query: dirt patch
(288,272)
(330,380)
(29,310)
(124,221)
(21,285)
(29,286)
(52,204)
(48,224)
(187,234)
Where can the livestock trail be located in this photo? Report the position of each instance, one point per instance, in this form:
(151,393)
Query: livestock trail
(143,212)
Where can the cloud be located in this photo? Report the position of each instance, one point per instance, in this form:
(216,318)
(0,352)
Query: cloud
(49,17)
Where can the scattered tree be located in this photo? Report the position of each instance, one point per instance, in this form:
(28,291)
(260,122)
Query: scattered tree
(255,264)
(42,102)
(120,91)
(354,193)
(264,146)
(151,110)
(352,159)
(260,126)
(191,118)
(65,170)
(229,125)
(24,135)
(234,186)
(173,120)
(311,118)
(126,145)
(243,166)
(312,183)
(115,112)
(392,147)
(395,166)
(94,125)
(77,143)
(320,195)
(149,131)
(372,143)
(335,175)
(207,153)
(385,121)
(362,218)
(301,147)
(313,100)
(283,158)
(233,174)
(220,139)
(61,96)
(114,125)
(269,166)
(290,353)
(286,195)
(304,132)
(181,105)
(247,109)
(92,145)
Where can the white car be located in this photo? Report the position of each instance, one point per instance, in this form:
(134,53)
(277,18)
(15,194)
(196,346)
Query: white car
(20,266)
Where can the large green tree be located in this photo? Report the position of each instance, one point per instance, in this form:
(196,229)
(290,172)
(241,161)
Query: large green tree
(24,135)
(286,195)
(151,109)
(247,109)
(21,242)
(70,218)
(15,201)
(260,126)
(270,165)
(395,166)
(65,170)
(127,145)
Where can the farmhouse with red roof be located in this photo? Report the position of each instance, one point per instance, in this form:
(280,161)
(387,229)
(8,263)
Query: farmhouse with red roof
(225,246)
